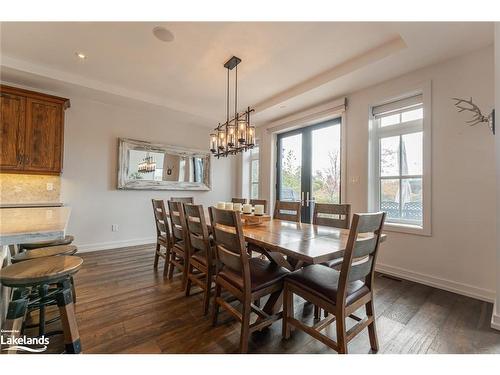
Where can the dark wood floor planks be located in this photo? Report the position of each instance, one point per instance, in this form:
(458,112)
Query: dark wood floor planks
(124,306)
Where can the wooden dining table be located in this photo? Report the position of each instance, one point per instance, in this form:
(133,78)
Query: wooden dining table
(293,245)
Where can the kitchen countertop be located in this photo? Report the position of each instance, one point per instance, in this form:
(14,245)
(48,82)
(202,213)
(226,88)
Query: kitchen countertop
(24,205)
(21,225)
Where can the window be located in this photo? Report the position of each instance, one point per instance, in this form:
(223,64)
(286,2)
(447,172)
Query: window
(254,172)
(398,164)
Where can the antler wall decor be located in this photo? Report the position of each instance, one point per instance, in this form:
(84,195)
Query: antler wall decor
(478,117)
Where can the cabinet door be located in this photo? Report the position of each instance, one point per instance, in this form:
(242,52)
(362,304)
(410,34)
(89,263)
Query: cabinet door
(44,136)
(12,129)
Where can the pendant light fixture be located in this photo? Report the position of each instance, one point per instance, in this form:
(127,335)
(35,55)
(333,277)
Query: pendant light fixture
(236,134)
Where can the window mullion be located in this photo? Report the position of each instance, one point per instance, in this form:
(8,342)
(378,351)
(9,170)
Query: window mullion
(400,175)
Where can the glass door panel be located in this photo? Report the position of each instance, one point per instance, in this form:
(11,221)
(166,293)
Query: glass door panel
(308,167)
(290,182)
(325,171)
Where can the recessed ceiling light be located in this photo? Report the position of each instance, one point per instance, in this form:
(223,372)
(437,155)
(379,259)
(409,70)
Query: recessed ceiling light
(80,55)
(163,34)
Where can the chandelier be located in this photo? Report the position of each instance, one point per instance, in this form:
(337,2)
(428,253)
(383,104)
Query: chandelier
(147,165)
(236,134)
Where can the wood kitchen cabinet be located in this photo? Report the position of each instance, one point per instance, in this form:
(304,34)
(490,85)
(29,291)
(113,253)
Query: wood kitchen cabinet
(32,131)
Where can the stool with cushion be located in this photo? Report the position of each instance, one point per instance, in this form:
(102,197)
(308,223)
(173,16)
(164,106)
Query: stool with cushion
(47,252)
(44,252)
(340,293)
(40,274)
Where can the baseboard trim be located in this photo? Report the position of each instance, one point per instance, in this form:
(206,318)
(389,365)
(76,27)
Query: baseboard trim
(495,318)
(115,244)
(449,285)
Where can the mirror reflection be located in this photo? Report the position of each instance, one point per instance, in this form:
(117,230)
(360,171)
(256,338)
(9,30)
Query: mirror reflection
(163,166)
(145,165)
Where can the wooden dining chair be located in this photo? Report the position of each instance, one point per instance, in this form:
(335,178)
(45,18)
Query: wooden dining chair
(263,202)
(252,247)
(182,199)
(332,215)
(163,239)
(239,200)
(178,256)
(200,255)
(289,211)
(342,292)
(246,279)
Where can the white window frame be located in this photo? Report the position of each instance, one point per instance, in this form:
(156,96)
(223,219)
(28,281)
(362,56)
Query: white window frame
(377,133)
(253,156)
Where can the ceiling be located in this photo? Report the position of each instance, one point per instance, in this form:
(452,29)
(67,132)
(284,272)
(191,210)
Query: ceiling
(286,67)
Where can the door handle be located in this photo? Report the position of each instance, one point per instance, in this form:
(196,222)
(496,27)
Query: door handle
(302,198)
(313,199)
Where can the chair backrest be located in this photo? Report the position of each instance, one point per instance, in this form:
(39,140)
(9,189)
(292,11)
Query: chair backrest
(289,211)
(332,215)
(182,199)
(178,221)
(161,219)
(230,243)
(197,231)
(263,202)
(239,200)
(361,251)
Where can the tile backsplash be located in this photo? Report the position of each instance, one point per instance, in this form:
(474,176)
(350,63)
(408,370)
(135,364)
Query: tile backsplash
(24,188)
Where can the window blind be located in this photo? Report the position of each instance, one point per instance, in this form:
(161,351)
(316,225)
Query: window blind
(397,105)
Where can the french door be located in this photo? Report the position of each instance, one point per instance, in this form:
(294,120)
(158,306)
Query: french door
(308,166)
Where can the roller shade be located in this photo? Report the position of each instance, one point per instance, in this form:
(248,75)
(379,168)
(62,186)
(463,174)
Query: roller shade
(323,112)
(398,105)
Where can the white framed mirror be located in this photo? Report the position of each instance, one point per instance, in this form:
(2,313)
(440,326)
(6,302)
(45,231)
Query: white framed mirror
(154,166)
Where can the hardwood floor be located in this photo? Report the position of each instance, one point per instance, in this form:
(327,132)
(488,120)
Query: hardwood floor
(125,307)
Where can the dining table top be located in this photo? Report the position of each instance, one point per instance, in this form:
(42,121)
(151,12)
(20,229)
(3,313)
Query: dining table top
(308,243)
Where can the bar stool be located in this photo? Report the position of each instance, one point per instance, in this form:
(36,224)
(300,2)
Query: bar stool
(43,274)
(67,240)
(48,252)
(44,252)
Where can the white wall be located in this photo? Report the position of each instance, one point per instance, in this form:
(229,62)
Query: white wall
(90,169)
(460,254)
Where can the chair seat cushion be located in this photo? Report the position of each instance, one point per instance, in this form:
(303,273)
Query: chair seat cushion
(263,273)
(334,263)
(323,281)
